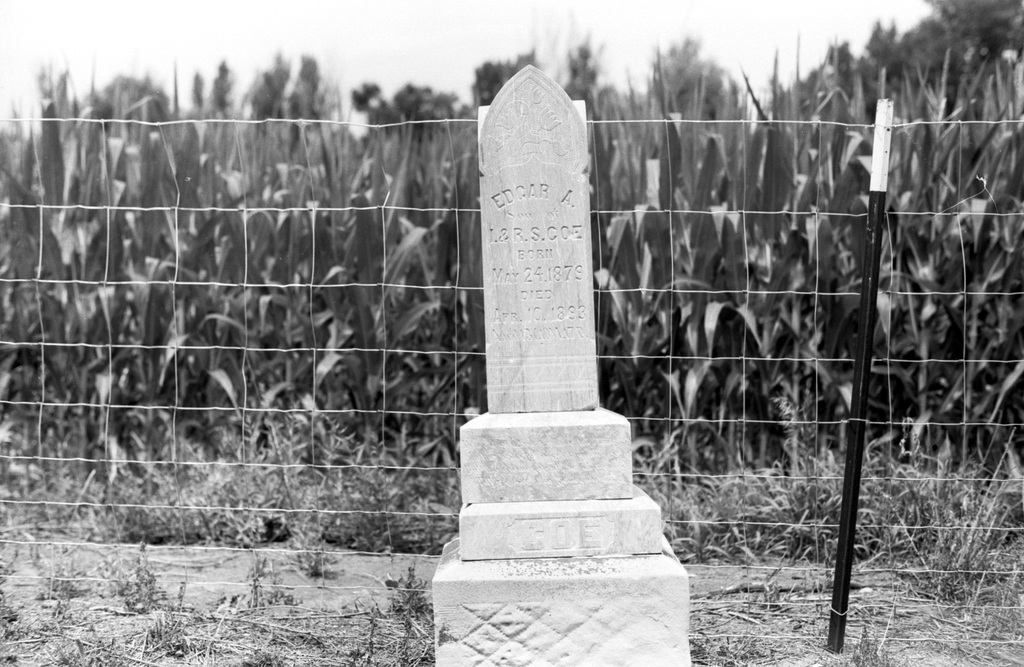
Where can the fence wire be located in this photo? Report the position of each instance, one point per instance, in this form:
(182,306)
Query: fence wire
(258,340)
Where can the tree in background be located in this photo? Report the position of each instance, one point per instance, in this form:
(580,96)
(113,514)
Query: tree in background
(961,40)
(221,93)
(836,81)
(267,95)
(131,97)
(582,74)
(423,103)
(977,32)
(369,99)
(922,50)
(55,89)
(493,74)
(306,100)
(198,85)
(411,102)
(584,71)
(271,97)
(690,84)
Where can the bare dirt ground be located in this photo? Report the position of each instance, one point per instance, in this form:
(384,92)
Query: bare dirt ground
(86,605)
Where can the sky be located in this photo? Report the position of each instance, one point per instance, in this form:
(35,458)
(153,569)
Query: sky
(426,42)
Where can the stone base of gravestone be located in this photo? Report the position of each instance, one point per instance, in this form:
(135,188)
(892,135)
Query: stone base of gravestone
(626,610)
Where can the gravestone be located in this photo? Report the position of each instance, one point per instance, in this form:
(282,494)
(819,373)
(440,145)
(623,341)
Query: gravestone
(535,215)
(560,559)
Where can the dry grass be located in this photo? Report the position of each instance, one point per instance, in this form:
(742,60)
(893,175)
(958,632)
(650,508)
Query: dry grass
(134,623)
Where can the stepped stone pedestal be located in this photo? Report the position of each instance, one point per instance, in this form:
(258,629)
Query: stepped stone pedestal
(560,559)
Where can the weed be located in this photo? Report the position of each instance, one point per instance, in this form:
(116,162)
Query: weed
(9,630)
(411,606)
(82,653)
(262,658)
(365,654)
(410,598)
(726,651)
(871,653)
(64,582)
(8,614)
(1003,599)
(139,589)
(960,549)
(265,588)
(317,563)
(168,636)
(312,558)
(181,596)
(403,634)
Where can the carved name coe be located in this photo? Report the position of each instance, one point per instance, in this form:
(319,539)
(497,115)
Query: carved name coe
(538,277)
(568,535)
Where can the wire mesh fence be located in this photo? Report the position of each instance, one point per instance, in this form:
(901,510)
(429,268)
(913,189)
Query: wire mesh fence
(256,342)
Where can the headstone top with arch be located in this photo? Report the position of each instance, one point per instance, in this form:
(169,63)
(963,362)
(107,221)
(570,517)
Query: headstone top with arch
(533,119)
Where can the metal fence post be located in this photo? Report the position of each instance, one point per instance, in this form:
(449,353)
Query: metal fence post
(867,318)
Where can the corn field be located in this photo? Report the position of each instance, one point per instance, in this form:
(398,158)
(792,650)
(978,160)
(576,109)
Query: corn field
(219,268)
(207,290)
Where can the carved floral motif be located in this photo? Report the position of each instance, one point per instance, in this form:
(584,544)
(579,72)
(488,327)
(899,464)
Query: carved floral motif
(533,118)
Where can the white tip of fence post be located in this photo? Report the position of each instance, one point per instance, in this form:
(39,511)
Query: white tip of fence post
(481,115)
(581,108)
(880,152)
